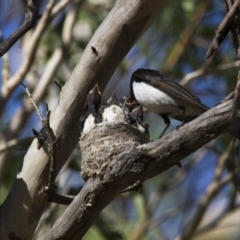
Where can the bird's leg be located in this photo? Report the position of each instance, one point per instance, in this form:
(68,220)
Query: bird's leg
(183,118)
(167,123)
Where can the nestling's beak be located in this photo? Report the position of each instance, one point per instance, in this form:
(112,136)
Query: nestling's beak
(93,98)
(131,102)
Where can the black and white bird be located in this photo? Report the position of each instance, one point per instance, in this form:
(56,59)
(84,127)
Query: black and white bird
(161,95)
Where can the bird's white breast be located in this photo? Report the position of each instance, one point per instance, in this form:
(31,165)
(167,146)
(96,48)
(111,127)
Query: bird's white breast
(153,99)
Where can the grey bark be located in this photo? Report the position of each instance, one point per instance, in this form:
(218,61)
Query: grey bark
(22,209)
(130,168)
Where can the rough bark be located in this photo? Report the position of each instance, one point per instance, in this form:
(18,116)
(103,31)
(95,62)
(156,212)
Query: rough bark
(22,209)
(131,167)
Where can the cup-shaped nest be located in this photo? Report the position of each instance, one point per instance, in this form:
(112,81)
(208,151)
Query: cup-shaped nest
(104,142)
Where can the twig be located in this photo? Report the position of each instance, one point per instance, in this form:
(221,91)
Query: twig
(236,42)
(185,37)
(30,20)
(236,99)
(169,182)
(232,162)
(229,178)
(204,71)
(158,154)
(49,13)
(36,134)
(12,83)
(40,89)
(12,143)
(137,186)
(6,73)
(211,192)
(223,29)
(32,101)
(41,139)
(235,32)
(228,4)
(236,106)
(59,7)
(58,84)
(53,143)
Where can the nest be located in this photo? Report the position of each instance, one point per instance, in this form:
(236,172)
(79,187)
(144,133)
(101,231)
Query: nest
(104,142)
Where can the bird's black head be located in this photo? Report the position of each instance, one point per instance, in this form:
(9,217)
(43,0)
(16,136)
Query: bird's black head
(144,75)
(136,77)
(93,99)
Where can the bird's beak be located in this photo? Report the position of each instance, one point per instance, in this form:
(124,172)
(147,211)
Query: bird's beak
(131,102)
(97,95)
(131,99)
(94,97)
(95,91)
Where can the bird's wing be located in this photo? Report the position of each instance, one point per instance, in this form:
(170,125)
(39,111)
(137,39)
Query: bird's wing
(157,80)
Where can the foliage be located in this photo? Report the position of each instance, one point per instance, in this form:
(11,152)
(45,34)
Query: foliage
(175,44)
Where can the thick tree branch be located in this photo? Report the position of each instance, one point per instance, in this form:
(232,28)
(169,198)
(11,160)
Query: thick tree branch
(139,164)
(126,22)
(30,20)
(21,117)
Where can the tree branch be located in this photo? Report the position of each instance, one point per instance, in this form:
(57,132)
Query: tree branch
(223,29)
(13,82)
(186,36)
(235,28)
(236,99)
(139,164)
(6,72)
(6,146)
(126,22)
(202,71)
(30,20)
(21,117)
(59,7)
(211,192)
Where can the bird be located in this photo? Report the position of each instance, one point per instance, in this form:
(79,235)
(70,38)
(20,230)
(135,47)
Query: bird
(137,120)
(112,111)
(161,95)
(91,107)
(93,99)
